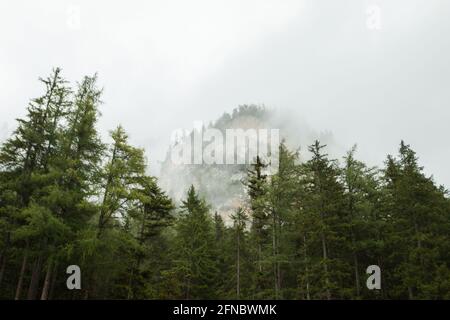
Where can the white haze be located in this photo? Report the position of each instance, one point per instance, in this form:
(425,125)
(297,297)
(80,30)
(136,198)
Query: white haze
(165,64)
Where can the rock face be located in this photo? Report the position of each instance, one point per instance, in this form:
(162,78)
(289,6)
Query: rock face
(223,185)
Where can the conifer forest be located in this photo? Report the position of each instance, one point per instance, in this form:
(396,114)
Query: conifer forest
(309,231)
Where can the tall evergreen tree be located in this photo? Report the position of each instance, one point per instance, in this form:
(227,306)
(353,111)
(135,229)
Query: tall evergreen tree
(362,220)
(194,255)
(151,215)
(323,205)
(257,184)
(419,216)
(239,226)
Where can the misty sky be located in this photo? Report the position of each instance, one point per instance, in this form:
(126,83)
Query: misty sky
(165,64)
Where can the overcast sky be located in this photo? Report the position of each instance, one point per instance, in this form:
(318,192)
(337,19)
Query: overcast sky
(372,72)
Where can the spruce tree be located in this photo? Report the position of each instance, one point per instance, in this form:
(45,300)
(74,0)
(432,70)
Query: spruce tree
(419,215)
(256,183)
(239,227)
(194,255)
(320,221)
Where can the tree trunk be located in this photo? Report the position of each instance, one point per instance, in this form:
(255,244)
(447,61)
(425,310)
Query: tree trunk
(34,283)
(325,267)
(238,266)
(274,250)
(384,288)
(86,294)
(419,243)
(48,276)
(259,257)
(22,273)
(355,255)
(279,237)
(308,294)
(188,288)
(137,265)
(103,212)
(53,281)
(356,266)
(130,285)
(410,293)
(2,268)
(1,255)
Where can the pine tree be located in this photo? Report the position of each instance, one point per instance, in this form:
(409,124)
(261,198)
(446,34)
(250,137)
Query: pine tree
(74,171)
(222,255)
(281,195)
(419,216)
(112,240)
(361,220)
(239,225)
(194,255)
(121,174)
(151,215)
(256,183)
(27,155)
(322,209)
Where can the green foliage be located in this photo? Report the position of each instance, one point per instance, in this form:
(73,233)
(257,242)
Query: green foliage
(194,251)
(309,231)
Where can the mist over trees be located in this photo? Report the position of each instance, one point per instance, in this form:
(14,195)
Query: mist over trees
(221,186)
(307,232)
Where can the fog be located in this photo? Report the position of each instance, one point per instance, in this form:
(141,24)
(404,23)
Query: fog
(371,72)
